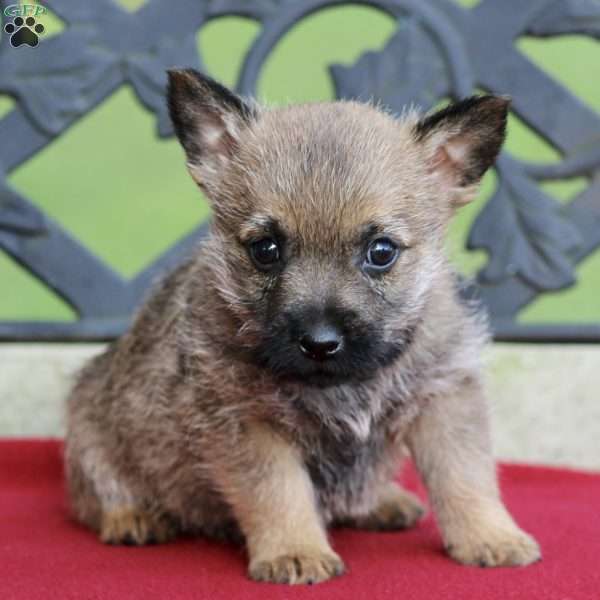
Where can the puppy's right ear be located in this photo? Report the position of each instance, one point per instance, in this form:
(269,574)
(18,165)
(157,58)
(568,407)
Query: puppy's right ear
(208,120)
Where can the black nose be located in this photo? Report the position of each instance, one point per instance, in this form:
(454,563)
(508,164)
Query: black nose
(321,342)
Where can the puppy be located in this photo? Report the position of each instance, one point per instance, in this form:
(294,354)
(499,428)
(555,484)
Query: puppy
(271,384)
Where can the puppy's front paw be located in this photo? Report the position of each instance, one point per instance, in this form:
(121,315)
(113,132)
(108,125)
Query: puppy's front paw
(297,568)
(132,527)
(500,548)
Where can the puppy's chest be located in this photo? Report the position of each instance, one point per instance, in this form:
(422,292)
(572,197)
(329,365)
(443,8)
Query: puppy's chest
(348,440)
(342,466)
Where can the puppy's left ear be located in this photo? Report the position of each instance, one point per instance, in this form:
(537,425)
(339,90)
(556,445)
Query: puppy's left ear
(208,120)
(462,142)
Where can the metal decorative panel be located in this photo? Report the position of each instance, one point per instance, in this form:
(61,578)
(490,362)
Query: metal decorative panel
(438,50)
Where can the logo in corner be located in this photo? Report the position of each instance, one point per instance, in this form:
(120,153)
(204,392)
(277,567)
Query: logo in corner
(24,30)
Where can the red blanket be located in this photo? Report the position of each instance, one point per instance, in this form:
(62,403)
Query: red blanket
(44,554)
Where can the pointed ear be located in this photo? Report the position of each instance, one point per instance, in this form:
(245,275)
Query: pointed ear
(462,142)
(208,119)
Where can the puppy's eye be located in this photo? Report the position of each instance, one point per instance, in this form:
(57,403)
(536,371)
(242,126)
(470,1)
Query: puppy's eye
(265,252)
(381,254)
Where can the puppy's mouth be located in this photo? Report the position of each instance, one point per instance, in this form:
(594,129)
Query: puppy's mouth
(321,377)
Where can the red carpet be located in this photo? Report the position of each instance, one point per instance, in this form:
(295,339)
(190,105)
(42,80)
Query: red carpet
(43,554)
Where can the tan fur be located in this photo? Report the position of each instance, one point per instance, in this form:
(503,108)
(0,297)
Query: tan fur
(276,508)
(133,526)
(187,423)
(395,508)
(460,476)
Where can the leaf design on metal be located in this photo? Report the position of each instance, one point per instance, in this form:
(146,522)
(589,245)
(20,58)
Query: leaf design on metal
(147,74)
(17,215)
(567,16)
(124,50)
(410,69)
(525,234)
(52,85)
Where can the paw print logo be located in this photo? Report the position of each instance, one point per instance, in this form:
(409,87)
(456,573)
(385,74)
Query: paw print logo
(24,31)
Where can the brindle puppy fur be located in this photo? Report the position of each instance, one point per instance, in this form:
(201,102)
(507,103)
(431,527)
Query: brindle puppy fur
(208,417)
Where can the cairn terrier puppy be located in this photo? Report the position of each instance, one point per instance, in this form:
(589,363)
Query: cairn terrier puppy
(272,384)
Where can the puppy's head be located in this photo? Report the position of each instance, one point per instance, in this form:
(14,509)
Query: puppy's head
(329,219)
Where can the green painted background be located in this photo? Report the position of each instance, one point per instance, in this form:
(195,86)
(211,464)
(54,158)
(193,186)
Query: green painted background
(127,195)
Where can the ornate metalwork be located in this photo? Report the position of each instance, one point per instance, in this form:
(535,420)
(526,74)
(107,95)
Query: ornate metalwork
(438,50)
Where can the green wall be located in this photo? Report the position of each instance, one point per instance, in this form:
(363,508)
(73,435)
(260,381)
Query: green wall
(127,195)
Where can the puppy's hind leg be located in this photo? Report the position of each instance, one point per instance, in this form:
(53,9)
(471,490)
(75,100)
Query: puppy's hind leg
(396,509)
(102,500)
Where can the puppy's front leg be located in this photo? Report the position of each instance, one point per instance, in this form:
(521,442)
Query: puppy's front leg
(450,443)
(274,502)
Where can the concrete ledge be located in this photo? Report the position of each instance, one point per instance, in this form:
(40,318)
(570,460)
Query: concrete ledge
(545,399)
(34,381)
(546,403)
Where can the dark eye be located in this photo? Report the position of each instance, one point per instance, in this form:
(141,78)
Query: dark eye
(265,252)
(381,254)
